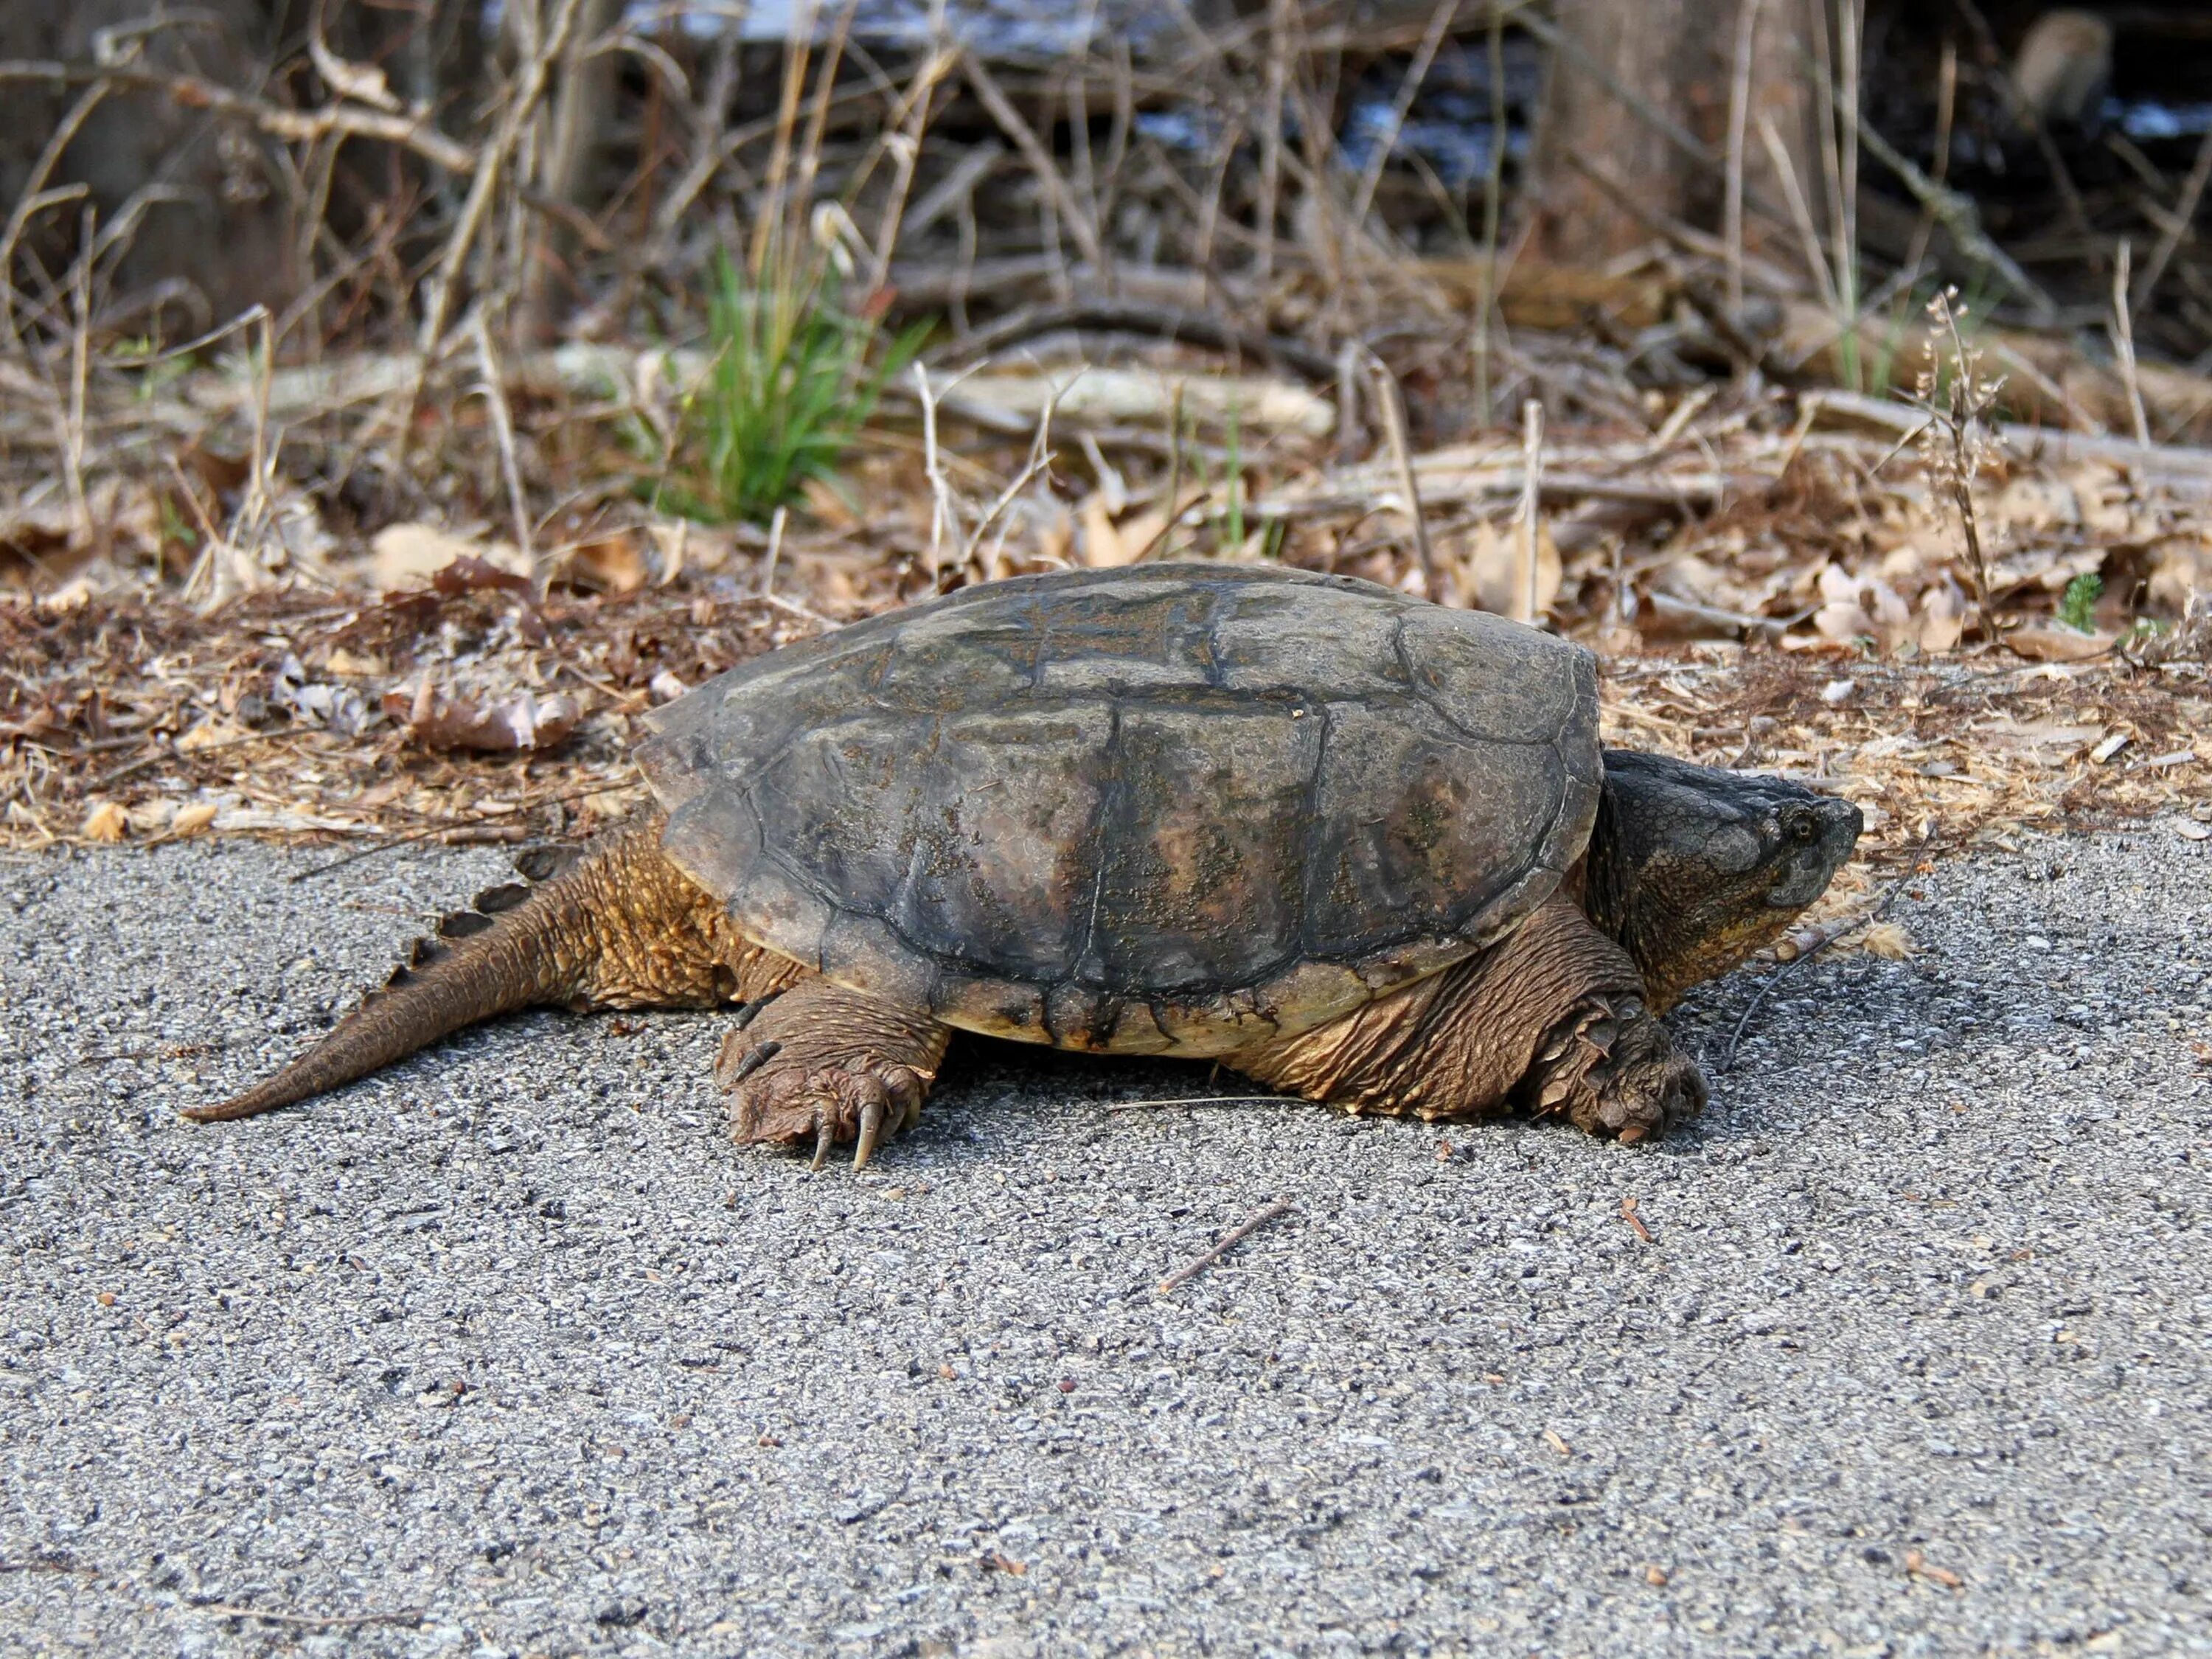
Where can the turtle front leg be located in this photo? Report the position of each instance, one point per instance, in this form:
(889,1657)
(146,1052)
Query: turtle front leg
(823,1065)
(1552,1019)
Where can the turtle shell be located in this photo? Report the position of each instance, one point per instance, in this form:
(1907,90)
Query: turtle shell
(1159,809)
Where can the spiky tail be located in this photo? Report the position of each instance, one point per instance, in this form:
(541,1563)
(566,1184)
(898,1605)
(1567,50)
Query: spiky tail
(520,946)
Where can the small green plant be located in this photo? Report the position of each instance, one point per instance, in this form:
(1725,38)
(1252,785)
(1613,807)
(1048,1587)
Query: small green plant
(792,376)
(2077,607)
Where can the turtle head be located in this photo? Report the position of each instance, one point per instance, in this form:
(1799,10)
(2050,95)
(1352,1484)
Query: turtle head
(1693,868)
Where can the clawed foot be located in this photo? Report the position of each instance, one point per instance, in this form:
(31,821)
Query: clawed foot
(790,1102)
(1618,1073)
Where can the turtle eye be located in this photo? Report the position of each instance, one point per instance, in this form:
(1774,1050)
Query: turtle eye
(1801,827)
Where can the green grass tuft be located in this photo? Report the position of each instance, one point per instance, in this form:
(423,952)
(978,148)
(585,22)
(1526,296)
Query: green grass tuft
(792,376)
(2077,608)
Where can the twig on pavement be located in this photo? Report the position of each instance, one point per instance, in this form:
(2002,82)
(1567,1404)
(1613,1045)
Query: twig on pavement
(313,1622)
(1228,1242)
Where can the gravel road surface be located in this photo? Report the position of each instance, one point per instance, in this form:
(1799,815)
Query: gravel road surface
(508,1351)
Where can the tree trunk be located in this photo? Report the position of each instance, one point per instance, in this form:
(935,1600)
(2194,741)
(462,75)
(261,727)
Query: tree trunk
(1677,61)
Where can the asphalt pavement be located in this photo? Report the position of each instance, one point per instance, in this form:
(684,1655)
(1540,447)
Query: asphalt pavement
(1902,1350)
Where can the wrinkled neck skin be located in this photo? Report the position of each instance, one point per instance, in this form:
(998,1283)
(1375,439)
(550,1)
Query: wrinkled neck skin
(1665,921)
(1692,869)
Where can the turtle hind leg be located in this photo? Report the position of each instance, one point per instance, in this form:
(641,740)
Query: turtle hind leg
(1552,1019)
(820,1065)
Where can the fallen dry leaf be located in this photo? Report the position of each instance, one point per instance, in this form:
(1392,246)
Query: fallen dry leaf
(1108,544)
(2180,567)
(1102,548)
(1492,576)
(517,723)
(105,821)
(190,820)
(1942,616)
(612,564)
(470,575)
(2041,642)
(1558,1442)
(406,555)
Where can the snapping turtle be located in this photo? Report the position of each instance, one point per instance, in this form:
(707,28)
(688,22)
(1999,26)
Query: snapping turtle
(1352,844)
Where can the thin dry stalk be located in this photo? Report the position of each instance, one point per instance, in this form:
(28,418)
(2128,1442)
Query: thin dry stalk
(196,92)
(73,444)
(211,539)
(1039,463)
(1216,182)
(955,190)
(943,516)
(260,502)
(1417,72)
(1175,469)
(1947,105)
(1493,189)
(1023,137)
(905,147)
(1532,486)
(1957,215)
(818,117)
(2178,226)
(1840,150)
(1390,404)
(1280,17)
(1954,444)
(503,425)
(712,120)
(1829,935)
(2123,344)
(490,166)
(1122,81)
(773,202)
(1075,92)
(35,198)
(1747,29)
(1188,1101)
(1801,216)
(579,111)
(774,552)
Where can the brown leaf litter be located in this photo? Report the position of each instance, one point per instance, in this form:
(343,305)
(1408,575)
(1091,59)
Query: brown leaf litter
(473,710)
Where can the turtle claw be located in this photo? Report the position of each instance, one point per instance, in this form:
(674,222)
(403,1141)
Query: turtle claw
(871,1124)
(788,1101)
(754,1060)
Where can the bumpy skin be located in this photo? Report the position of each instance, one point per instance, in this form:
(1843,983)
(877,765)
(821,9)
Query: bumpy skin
(1552,1020)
